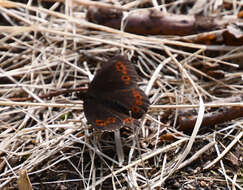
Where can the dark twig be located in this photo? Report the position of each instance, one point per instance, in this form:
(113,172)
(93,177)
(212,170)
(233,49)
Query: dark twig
(186,120)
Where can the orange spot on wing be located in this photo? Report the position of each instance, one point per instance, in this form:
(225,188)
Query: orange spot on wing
(121,67)
(135,109)
(138,97)
(126,79)
(103,123)
(138,102)
(111,120)
(128,120)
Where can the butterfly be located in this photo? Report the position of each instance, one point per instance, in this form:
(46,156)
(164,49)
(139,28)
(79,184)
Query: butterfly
(113,98)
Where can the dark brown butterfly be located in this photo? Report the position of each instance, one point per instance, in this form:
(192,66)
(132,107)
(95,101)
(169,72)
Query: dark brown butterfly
(113,98)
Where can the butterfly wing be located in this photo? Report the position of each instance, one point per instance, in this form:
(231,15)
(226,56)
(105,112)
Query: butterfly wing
(131,101)
(104,118)
(113,95)
(117,74)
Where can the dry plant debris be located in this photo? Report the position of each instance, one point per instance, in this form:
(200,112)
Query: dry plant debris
(49,50)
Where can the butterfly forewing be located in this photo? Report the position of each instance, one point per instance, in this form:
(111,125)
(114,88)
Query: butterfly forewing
(117,74)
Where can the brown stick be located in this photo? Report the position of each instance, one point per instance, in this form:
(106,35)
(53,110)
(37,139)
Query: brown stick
(186,120)
(186,123)
(151,22)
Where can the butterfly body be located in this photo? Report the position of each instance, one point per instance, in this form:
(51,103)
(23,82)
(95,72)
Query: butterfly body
(113,98)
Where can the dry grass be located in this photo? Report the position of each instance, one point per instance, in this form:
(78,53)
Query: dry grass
(49,46)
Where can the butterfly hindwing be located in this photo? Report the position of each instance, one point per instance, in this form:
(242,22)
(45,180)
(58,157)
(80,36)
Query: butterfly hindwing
(104,119)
